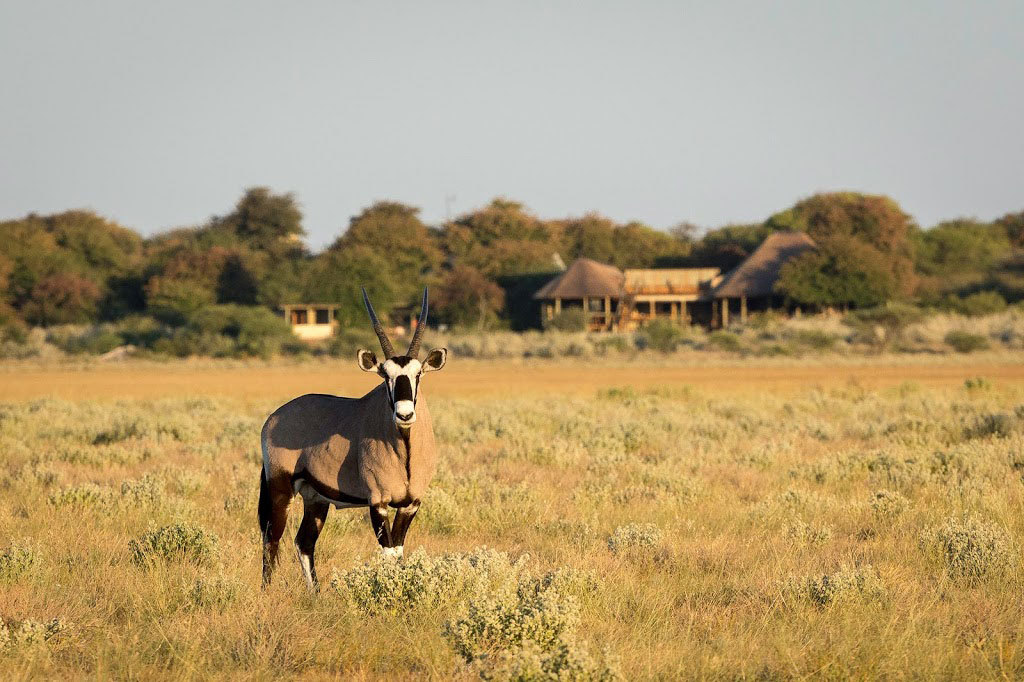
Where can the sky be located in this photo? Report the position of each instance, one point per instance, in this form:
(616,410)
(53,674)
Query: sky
(159,115)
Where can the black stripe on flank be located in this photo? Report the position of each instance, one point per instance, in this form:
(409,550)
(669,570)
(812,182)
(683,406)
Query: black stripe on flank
(328,492)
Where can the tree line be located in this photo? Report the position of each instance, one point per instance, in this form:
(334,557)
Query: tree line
(227,274)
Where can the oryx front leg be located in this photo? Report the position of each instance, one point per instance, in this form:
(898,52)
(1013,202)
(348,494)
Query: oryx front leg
(403,519)
(313,517)
(381,526)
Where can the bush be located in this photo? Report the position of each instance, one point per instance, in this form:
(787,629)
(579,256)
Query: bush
(724,340)
(93,340)
(253,330)
(85,495)
(966,342)
(346,342)
(980,303)
(16,561)
(29,632)
(537,613)
(971,548)
(663,335)
(845,585)
(887,504)
(563,661)
(176,542)
(569,320)
(814,338)
(215,592)
(383,584)
(998,425)
(890,319)
(635,536)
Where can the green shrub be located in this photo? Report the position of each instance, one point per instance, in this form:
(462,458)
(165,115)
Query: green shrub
(85,495)
(346,342)
(176,542)
(564,660)
(16,561)
(635,536)
(842,586)
(94,340)
(887,504)
(536,613)
(383,584)
(814,338)
(148,490)
(141,331)
(891,319)
(663,335)
(29,632)
(724,340)
(978,304)
(253,330)
(966,342)
(998,425)
(970,547)
(217,593)
(569,320)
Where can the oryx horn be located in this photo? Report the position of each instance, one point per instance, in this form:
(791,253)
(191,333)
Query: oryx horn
(385,343)
(414,345)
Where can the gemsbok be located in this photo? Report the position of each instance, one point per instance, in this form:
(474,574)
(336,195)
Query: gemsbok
(376,451)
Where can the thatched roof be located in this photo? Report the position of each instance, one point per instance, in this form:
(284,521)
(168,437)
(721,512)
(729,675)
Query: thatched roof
(584,277)
(756,276)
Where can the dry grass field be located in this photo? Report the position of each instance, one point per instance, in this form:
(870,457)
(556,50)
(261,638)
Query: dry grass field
(752,519)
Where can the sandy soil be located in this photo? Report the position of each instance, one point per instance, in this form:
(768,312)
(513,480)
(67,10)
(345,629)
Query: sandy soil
(469,378)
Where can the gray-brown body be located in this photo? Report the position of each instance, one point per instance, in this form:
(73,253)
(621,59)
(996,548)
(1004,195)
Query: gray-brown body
(342,452)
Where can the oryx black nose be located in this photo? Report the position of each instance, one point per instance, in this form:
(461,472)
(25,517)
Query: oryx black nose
(404,417)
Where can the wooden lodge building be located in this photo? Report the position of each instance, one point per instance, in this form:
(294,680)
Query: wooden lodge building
(624,300)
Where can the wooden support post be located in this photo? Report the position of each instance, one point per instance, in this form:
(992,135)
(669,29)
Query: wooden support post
(725,313)
(743,309)
(608,312)
(558,306)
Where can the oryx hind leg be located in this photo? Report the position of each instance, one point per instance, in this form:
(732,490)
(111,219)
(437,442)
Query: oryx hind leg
(273,515)
(313,516)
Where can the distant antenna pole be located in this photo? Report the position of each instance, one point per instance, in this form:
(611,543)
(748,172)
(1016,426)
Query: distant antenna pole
(449,199)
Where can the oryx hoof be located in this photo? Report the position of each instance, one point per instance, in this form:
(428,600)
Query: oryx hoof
(392,552)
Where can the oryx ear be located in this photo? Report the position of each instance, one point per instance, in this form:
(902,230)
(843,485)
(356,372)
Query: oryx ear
(366,360)
(435,360)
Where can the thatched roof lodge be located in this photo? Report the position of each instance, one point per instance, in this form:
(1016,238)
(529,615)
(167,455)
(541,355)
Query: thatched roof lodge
(594,287)
(617,299)
(751,284)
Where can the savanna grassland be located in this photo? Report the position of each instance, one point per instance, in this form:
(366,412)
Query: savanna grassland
(748,520)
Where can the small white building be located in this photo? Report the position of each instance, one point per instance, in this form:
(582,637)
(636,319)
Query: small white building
(311,321)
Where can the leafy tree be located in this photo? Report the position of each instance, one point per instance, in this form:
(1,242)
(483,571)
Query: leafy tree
(843,271)
(728,246)
(876,222)
(961,247)
(465,296)
(636,245)
(174,300)
(266,222)
(503,239)
(395,234)
(1013,226)
(591,236)
(335,276)
(62,298)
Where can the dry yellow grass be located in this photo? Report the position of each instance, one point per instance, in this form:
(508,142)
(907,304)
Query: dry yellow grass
(740,521)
